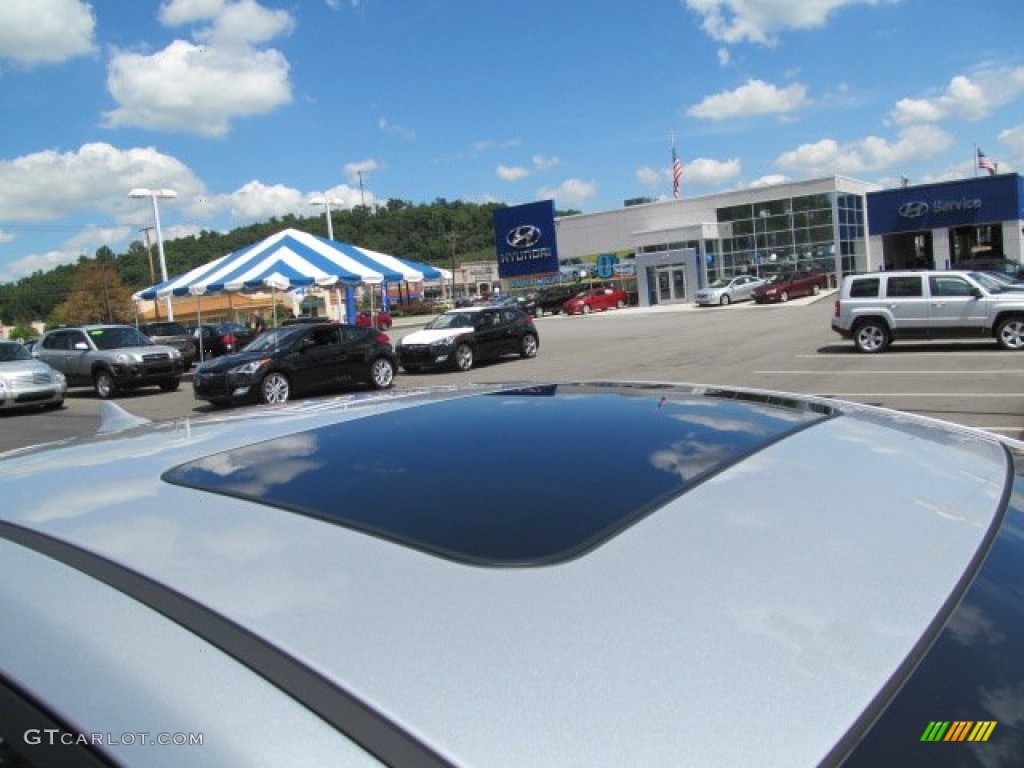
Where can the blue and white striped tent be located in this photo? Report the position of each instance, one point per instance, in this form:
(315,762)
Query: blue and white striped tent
(289,259)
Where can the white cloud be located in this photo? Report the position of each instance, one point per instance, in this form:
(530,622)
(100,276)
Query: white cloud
(189,89)
(234,24)
(865,155)
(755,97)
(51,185)
(45,31)
(364,167)
(707,172)
(972,97)
(256,201)
(542,163)
(392,129)
(760,21)
(512,173)
(652,178)
(571,193)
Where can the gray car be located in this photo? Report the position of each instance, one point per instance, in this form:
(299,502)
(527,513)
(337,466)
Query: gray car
(727,290)
(760,579)
(26,382)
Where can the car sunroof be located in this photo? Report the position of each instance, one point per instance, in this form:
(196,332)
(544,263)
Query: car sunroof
(527,476)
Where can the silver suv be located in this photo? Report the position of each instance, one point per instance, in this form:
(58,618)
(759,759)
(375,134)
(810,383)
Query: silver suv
(110,358)
(874,309)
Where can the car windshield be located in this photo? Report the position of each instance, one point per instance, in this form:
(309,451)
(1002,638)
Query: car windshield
(720,283)
(10,350)
(118,337)
(275,338)
(451,320)
(987,282)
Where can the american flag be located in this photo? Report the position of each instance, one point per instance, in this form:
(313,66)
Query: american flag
(985,164)
(677,172)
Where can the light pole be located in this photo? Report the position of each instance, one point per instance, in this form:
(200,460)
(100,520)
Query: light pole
(154,194)
(326,202)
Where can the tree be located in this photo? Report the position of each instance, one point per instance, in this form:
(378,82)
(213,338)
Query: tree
(97,296)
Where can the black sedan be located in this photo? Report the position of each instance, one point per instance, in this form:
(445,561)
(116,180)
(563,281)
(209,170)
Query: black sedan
(460,337)
(295,359)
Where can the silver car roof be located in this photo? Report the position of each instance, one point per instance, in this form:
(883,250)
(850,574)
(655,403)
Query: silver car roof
(749,620)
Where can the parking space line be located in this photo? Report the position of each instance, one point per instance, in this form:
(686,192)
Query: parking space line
(973,372)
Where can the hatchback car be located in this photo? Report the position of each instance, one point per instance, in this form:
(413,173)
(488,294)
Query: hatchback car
(308,588)
(298,359)
(460,338)
(595,299)
(26,382)
(789,285)
(375,319)
(728,290)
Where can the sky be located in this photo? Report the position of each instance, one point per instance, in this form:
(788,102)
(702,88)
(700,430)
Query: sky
(250,109)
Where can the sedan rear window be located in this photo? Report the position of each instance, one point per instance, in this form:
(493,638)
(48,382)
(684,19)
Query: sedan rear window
(528,476)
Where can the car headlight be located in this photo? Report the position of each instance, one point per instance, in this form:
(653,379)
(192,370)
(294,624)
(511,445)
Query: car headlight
(175,354)
(249,368)
(447,341)
(59,378)
(127,357)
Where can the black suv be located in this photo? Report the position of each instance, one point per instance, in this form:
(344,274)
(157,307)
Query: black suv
(292,359)
(175,335)
(110,358)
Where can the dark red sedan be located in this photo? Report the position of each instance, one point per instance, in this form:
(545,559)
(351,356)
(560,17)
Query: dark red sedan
(595,299)
(789,285)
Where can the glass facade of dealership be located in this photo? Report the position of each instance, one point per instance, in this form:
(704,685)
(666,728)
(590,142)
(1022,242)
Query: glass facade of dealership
(681,245)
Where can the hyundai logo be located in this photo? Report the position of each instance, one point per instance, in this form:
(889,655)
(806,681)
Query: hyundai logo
(523,236)
(913,210)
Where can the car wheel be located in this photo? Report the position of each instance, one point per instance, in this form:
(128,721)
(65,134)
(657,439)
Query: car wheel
(463,357)
(1010,333)
(586,309)
(528,346)
(382,373)
(275,389)
(724,301)
(104,384)
(784,296)
(871,336)
(170,385)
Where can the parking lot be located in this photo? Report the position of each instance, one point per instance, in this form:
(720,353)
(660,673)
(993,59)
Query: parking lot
(787,347)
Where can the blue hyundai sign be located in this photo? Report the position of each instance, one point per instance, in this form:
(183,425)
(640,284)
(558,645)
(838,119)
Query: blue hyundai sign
(524,238)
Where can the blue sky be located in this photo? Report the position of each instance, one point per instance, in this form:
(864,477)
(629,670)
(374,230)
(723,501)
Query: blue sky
(248,108)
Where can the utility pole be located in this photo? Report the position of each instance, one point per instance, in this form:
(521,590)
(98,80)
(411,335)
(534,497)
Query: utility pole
(362,200)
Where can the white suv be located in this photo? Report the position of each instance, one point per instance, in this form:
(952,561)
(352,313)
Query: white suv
(874,309)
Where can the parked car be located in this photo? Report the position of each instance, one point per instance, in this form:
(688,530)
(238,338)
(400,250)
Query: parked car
(460,338)
(574,268)
(364,573)
(549,299)
(298,359)
(727,290)
(26,382)
(110,358)
(376,319)
(219,339)
(595,299)
(874,309)
(789,285)
(998,263)
(172,334)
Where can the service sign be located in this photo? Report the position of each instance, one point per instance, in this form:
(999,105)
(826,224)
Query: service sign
(525,239)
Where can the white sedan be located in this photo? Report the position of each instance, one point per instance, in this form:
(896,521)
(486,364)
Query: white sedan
(727,290)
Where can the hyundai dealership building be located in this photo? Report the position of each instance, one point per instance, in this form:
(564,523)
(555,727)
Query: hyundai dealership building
(833,225)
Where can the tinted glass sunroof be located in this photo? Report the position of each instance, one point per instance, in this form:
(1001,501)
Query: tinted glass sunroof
(522,477)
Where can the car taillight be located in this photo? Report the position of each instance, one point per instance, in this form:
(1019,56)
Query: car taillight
(383,338)
(229,339)
(837,308)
